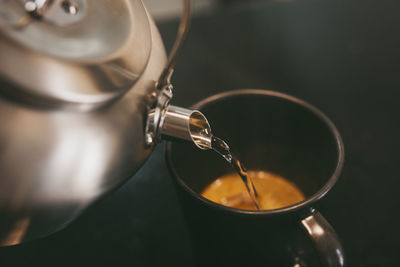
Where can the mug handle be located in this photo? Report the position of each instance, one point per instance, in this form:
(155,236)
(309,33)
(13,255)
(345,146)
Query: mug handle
(324,238)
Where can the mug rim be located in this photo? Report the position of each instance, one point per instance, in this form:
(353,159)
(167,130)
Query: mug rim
(304,203)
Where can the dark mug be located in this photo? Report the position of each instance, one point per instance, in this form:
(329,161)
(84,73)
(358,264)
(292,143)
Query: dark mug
(268,131)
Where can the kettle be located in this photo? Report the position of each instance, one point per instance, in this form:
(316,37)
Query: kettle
(84,97)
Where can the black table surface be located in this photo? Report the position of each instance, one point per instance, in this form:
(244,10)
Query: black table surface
(341,56)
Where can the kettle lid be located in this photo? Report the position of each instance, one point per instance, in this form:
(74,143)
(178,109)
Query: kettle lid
(72,51)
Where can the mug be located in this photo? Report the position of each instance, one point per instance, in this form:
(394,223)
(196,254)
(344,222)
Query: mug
(277,133)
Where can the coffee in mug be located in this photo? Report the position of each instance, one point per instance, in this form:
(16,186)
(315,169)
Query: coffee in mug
(273,191)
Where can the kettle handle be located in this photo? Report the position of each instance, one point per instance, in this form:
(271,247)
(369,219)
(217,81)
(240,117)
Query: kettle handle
(165,78)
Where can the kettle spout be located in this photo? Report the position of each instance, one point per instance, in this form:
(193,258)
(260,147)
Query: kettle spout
(186,124)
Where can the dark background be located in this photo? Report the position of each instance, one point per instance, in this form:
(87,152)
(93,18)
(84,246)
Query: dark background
(341,56)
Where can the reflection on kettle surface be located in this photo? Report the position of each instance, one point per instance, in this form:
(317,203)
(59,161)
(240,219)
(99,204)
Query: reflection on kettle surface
(84,97)
(17,232)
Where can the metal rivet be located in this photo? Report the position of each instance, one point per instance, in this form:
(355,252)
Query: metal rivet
(30,6)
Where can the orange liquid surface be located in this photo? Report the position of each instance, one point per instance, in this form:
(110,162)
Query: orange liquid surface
(274,191)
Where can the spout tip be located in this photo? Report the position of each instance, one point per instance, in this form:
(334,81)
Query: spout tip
(187,124)
(200,130)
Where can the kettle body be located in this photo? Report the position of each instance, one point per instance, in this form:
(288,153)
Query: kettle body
(62,150)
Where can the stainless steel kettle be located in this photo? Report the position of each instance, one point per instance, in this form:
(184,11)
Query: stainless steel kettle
(84,96)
